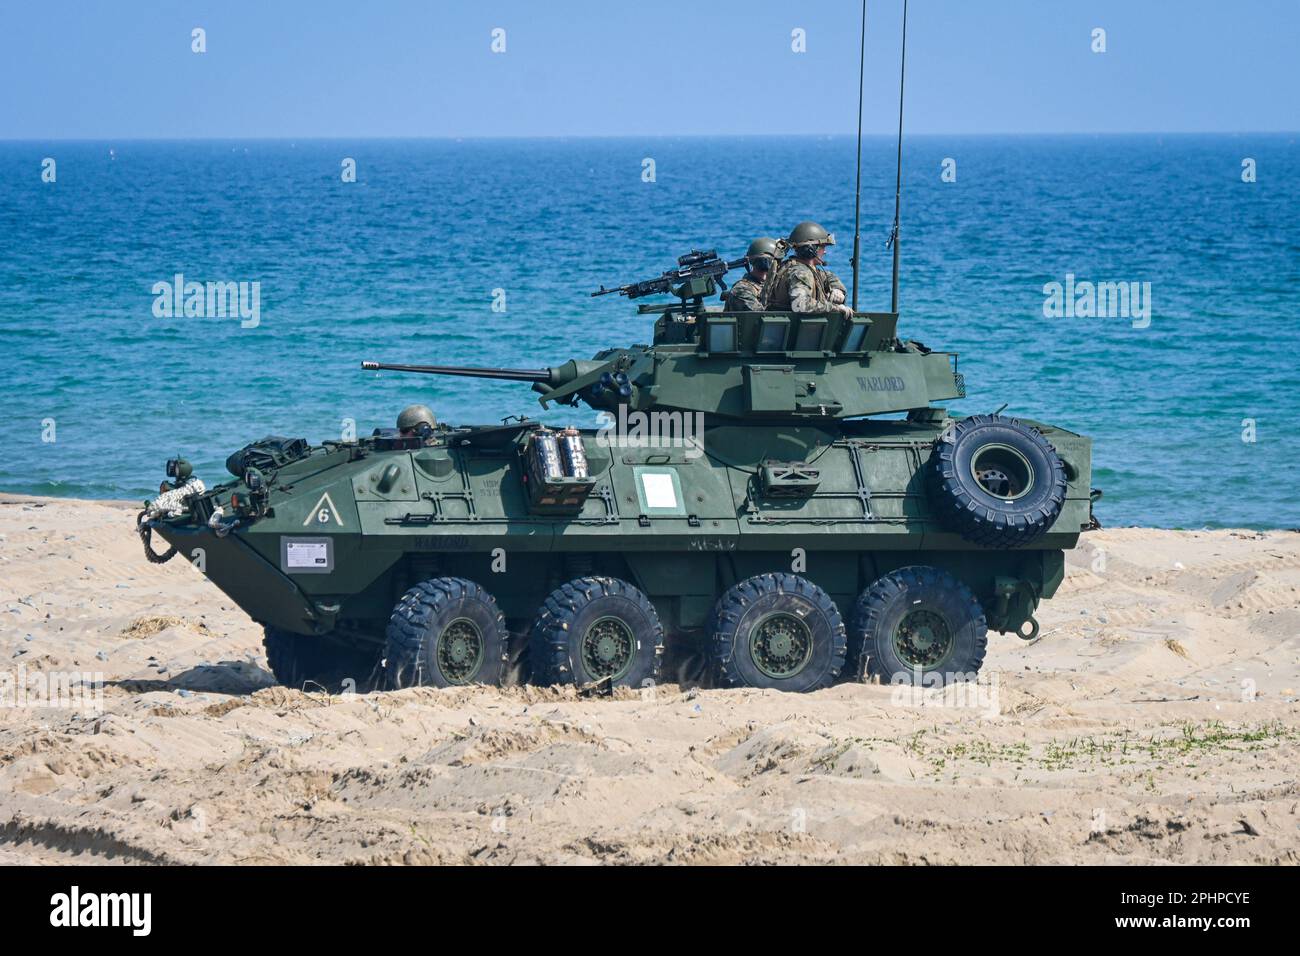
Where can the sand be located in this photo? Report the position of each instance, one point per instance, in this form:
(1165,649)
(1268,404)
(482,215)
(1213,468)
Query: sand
(1154,721)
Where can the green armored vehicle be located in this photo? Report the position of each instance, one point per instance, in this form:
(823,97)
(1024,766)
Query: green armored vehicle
(773,499)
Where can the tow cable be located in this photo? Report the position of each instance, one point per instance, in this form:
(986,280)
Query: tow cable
(172,502)
(143,526)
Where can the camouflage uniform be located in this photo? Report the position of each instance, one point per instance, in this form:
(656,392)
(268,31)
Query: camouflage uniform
(798,286)
(745,295)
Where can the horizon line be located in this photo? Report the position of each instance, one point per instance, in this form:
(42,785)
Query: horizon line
(610,136)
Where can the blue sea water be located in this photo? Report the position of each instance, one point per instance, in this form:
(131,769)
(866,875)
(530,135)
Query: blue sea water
(401,266)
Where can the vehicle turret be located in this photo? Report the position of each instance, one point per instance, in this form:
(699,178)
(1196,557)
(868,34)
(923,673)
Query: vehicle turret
(747,365)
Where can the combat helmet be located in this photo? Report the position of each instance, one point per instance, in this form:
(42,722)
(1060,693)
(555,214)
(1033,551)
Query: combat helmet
(809,234)
(413,416)
(761,253)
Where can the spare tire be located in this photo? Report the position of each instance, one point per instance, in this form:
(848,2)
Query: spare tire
(996,482)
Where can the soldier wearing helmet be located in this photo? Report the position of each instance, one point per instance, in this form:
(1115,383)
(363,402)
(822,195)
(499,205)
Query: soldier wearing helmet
(746,294)
(802,283)
(416,421)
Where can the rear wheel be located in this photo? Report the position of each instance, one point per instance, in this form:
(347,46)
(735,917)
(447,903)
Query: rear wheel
(777,630)
(597,629)
(917,621)
(446,632)
(303,660)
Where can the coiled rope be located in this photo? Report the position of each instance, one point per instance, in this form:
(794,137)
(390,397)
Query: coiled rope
(146,536)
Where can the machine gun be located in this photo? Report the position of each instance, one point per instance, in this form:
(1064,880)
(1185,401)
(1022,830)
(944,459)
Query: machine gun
(698,274)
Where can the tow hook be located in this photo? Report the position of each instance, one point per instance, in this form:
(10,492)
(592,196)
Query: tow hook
(1093,524)
(219,527)
(1006,589)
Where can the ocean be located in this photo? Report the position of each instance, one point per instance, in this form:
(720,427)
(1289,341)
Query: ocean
(484,252)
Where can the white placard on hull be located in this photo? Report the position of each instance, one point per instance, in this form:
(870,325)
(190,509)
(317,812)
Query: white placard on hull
(306,555)
(658,490)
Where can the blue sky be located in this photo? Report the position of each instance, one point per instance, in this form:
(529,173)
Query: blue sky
(578,67)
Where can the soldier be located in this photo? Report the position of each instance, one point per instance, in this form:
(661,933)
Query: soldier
(416,420)
(746,294)
(802,283)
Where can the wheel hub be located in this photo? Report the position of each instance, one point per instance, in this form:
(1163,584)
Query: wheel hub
(781,645)
(608,648)
(460,651)
(923,638)
(1002,471)
(996,482)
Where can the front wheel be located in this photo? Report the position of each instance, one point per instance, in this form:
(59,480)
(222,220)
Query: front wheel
(777,630)
(446,632)
(917,621)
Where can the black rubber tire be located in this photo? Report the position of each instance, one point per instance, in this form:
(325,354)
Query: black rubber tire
(555,644)
(301,660)
(979,516)
(881,607)
(419,620)
(744,606)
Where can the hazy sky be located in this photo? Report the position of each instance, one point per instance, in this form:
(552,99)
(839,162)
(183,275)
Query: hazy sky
(275,68)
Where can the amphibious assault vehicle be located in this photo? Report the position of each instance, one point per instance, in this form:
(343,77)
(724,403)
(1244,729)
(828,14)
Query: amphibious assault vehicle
(773,499)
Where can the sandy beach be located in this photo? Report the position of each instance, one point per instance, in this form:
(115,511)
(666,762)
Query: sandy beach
(1155,720)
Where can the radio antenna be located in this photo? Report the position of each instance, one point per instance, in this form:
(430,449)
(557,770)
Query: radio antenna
(857,190)
(898,174)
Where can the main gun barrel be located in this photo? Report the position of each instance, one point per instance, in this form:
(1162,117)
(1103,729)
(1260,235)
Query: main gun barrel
(544,375)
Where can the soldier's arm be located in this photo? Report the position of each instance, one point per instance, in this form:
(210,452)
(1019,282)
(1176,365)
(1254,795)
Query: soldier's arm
(744,297)
(836,292)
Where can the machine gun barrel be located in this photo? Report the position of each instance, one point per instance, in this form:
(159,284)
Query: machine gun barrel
(544,375)
(693,265)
